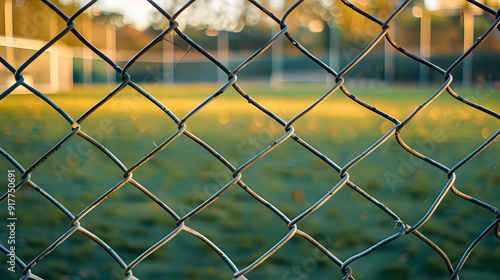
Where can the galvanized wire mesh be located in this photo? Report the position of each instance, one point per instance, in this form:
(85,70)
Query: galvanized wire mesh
(289,133)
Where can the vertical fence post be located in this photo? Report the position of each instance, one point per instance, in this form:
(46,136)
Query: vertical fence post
(334,49)
(390,58)
(277,61)
(168,58)
(111,50)
(222,54)
(425,45)
(87,53)
(54,72)
(468,41)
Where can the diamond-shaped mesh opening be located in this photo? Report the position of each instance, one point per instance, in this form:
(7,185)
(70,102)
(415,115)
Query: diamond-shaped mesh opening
(48,227)
(129,119)
(247,228)
(438,125)
(134,222)
(34,124)
(310,263)
(281,178)
(79,173)
(77,246)
(181,253)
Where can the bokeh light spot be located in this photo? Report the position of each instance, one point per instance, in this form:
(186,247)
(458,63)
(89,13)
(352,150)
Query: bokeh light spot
(316,26)
(223,117)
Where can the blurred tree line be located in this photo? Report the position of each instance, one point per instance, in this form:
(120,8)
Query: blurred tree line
(310,24)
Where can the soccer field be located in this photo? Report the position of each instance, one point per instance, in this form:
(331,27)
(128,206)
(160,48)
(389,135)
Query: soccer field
(184,175)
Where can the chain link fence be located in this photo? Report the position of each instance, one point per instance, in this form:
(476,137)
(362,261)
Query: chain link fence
(345,265)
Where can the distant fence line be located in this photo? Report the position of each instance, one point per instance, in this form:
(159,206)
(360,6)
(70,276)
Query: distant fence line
(295,69)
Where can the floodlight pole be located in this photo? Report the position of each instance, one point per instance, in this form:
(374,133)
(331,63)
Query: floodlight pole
(168,58)
(425,45)
(9,31)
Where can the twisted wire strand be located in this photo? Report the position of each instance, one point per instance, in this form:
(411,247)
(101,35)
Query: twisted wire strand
(294,227)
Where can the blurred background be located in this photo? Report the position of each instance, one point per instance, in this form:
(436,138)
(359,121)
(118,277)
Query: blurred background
(285,81)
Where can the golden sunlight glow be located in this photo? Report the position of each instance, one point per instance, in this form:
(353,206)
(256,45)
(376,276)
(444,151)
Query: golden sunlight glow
(394,112)
(313,125)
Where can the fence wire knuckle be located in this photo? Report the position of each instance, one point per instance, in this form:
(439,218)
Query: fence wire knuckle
(292,225)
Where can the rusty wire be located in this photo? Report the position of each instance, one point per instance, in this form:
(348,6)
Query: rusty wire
(77,221)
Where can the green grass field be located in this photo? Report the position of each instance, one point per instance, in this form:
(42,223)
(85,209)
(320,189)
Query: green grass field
(184,174)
